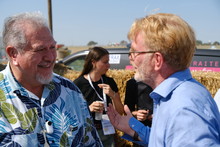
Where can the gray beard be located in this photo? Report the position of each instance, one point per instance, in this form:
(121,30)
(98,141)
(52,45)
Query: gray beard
(137,77)
(44,79)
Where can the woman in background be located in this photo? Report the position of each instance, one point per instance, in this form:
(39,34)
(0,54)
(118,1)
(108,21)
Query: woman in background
(96,87)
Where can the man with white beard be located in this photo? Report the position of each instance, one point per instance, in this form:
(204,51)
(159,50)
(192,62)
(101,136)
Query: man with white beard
(38,107)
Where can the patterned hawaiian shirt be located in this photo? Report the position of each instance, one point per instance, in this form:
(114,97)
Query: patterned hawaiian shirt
(23,115)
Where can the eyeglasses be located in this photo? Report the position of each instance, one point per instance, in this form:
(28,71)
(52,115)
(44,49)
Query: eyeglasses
(137,53)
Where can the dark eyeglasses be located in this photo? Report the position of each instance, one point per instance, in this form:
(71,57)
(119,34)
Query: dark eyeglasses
(136,53)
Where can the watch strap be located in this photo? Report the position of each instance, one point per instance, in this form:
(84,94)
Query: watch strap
(135,137)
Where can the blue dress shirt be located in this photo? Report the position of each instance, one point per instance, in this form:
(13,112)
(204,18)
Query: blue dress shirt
(185,115)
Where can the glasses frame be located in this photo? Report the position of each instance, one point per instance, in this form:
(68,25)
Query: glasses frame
(139,53)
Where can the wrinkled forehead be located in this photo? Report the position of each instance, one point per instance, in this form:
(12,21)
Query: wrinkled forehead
(39,36)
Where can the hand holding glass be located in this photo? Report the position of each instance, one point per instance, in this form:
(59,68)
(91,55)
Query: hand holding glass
(98,115)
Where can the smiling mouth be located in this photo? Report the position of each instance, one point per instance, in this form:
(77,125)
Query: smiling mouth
(45,65)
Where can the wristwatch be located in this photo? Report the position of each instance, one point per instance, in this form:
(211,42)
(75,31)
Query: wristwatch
(135,137)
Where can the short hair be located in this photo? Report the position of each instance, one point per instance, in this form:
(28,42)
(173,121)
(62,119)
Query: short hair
(14,28)
(168,34)
(95,54)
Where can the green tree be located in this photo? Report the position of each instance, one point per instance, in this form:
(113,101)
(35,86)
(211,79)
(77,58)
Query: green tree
(91,43)
(199,42)
(216,43)
(123,43)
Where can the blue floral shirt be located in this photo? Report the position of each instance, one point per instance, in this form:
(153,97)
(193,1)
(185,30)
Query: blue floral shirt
(23,115)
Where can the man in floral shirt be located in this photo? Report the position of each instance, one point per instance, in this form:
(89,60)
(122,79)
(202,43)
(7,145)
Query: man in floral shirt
(38,107)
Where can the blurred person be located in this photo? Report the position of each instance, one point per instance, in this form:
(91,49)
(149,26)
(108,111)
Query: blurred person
(217,98)
(185,114)
(96,86)
(138,100)
(38,107)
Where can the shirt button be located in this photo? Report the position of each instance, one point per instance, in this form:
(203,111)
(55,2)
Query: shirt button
(132,126)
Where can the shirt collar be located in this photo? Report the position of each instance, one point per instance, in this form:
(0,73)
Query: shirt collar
(169,84)
(15,85)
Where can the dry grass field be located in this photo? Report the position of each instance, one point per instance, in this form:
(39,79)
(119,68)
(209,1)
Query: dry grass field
(208,47)
(74,49)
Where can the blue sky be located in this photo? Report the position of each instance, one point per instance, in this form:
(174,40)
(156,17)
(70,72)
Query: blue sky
(76,22)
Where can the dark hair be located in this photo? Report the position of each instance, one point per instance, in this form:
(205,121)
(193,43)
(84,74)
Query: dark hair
(95,54)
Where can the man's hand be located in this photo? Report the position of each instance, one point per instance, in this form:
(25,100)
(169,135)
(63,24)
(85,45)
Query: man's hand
(120,122)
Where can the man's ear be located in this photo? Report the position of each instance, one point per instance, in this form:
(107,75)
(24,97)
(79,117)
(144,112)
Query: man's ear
(159,60)
(12,54)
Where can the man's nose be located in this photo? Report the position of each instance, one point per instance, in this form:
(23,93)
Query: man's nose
(50,54)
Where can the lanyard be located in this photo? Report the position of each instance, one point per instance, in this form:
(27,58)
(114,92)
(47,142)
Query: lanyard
(104,95)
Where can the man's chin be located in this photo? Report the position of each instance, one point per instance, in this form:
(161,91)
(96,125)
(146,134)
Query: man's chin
(137,77)
(44,79)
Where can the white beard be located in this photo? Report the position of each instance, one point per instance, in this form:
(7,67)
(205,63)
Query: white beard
(137,77)
(44,79)
(144,73)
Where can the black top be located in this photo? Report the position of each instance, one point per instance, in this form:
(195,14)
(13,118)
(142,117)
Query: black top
(137,97)
(90,94)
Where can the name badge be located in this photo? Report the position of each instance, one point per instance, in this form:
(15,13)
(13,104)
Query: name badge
(107,127)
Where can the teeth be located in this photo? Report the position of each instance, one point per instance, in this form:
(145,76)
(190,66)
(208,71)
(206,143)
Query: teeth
(44,65)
